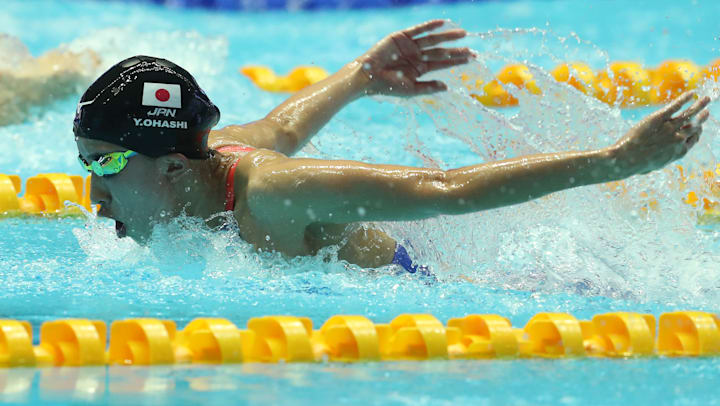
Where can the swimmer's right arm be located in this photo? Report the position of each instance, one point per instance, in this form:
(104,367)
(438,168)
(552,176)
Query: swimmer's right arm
(287,191)
(391,67)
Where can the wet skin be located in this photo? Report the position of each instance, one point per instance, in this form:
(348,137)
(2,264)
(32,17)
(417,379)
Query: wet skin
(152,191)
(297,206)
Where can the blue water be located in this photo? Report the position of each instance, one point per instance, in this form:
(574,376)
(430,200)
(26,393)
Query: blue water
(584,251)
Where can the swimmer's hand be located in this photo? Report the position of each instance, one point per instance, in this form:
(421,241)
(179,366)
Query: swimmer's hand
(660,138)
(394,64)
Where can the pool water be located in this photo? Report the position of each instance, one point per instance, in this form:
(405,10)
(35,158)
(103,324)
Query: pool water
(584,251)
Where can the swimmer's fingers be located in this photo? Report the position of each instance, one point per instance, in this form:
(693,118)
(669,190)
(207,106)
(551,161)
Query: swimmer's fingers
(423,27)
(674,106)
(694,138)
(702,117)
(444,54)
(693,129)
(434,39)
(693,110)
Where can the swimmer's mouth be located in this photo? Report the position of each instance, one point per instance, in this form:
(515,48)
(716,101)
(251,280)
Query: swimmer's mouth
(120,229)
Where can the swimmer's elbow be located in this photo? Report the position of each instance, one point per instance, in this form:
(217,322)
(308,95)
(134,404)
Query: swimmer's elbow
(287,140)
(441,193)
(453,194)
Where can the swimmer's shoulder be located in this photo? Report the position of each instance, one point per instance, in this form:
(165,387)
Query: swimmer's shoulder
(238,140)
(228,136)
(261,134)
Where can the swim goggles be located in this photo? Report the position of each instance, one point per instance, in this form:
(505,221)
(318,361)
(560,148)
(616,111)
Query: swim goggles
(108,164)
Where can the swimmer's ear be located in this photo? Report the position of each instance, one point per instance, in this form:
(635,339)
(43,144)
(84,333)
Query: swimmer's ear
(173,166)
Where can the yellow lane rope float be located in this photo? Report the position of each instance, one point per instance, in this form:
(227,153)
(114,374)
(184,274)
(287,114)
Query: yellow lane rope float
(349,338)
(297,79)
(628,84)
(45,194)
(706,198)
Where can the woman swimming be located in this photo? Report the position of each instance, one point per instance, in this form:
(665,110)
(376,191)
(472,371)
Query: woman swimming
(144,130)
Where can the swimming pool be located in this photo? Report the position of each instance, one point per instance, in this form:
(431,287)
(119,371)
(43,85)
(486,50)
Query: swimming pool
(580,251)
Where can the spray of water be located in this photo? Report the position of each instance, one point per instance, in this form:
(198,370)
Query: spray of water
(586,243)
(637,241)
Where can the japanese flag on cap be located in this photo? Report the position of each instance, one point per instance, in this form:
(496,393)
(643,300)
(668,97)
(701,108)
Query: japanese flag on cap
(161,95)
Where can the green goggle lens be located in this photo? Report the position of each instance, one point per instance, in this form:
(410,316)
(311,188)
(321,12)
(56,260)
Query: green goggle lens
(108,164)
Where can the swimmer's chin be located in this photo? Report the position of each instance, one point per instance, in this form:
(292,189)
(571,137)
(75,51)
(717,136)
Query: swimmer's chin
(122,231)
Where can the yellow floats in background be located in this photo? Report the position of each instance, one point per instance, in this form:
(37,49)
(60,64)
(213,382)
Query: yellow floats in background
(578,75)
(79,342)
(712,71)
(673,78)
(45,194)
(297,79)
(710,190)
(494,94)
(627,84)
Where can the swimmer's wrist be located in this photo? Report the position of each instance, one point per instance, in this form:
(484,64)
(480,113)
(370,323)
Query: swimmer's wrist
(613,169)
(361,79)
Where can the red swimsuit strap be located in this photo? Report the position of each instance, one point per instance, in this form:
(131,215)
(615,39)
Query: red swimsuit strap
(230,182)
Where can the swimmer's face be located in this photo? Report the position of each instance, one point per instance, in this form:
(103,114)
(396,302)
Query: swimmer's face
(137,198)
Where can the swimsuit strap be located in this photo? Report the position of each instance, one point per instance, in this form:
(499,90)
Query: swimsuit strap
(234,148)
(230,182)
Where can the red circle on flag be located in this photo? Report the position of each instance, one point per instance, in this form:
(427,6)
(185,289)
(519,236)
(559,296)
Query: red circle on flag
(162,95)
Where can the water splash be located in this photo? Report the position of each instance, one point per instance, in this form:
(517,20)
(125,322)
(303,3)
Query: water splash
(591,240)
(583,251)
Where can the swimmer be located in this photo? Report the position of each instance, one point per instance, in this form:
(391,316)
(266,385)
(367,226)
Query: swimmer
(144,131)
(27,82)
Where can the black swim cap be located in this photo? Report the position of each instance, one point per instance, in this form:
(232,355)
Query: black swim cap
(148,105)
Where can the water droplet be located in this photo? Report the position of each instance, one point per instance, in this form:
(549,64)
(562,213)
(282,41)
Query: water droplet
(287,202)
(267,237)
(361,211)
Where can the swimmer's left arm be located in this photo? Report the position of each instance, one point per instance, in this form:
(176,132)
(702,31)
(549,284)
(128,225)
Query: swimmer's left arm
(391,67)
(283,191)
(304,191)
